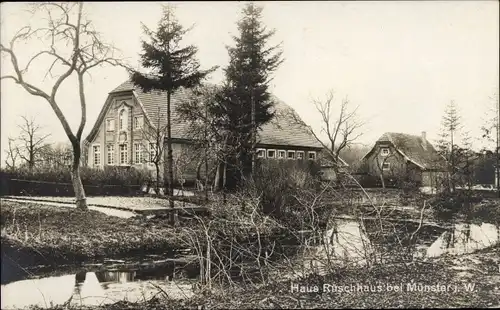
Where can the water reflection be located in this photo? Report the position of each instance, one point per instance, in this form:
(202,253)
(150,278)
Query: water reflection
(93,288)
(465,238)
(345,243)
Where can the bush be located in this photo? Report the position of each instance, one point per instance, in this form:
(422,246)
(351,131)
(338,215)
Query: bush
(278,185)
(447,205)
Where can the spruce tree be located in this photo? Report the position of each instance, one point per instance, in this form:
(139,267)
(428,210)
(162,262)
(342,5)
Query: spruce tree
(170,68)
(447,145)
(244,104)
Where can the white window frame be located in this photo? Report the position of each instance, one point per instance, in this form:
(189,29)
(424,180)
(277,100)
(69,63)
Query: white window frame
(288,155)
(271,150)
(383,153)
(120,152)
(98,162)
(297,155)
(388,166)
(258,152)
(110,152)
(138,122)
(284,156)
(311,153)
(138,152)
(110,124)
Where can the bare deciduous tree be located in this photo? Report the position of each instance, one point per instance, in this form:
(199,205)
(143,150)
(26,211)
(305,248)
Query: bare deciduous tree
(56,155)
(31,141)
(12,154)
(341,126)
(73,45)
(153,140)
(491,126)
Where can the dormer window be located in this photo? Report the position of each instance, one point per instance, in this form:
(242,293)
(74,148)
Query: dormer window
(384,151)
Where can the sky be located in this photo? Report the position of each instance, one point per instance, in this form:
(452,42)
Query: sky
(401,63)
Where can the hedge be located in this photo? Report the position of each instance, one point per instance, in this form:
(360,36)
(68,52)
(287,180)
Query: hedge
(57,181)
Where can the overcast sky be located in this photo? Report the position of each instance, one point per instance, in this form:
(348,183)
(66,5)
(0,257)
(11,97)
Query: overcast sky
(401,62)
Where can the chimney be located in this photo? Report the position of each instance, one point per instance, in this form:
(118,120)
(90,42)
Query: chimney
(424,136)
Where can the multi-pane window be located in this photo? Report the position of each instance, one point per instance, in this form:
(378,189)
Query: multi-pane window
(110,124)
(138,153)
(152,152)
(123,154)
(312,155)
(291,154)
(271,154)
(138,122)
(111,154)
(281,154)
(384,151)
(97,155)
(386,166)
(300,155)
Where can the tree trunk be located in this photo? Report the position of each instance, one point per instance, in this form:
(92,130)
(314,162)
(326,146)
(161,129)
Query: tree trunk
(224,175)
(76,180)
(254,135)
(382,180)
(217,179)
(170,165)
(157,187)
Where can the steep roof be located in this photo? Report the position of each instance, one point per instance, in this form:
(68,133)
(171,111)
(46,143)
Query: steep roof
(282,130)
(415,149)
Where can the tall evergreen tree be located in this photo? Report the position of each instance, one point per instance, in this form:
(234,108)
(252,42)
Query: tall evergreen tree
(170,68)
(447,145)
(244,104)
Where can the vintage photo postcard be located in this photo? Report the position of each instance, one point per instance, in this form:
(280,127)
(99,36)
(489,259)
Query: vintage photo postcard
(250,155)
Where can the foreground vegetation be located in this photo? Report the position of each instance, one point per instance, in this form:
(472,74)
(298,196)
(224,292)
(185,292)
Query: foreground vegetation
(256,231)
(483,275)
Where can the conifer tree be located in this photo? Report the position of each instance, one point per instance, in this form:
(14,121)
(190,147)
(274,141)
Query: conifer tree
(170,68)
(244,104)
(447,145)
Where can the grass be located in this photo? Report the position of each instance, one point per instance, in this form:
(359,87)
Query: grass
(40,234)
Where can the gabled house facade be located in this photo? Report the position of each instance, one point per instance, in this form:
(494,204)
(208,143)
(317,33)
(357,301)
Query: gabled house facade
(118,135)
(403,156)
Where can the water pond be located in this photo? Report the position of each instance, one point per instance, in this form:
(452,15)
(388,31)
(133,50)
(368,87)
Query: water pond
(347,241)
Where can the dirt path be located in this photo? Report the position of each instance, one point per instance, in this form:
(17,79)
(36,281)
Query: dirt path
(105,210)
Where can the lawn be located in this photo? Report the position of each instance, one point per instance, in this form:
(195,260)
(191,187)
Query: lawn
(40,234)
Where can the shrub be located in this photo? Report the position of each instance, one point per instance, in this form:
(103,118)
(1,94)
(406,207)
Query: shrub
(448,205)
(283,188)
